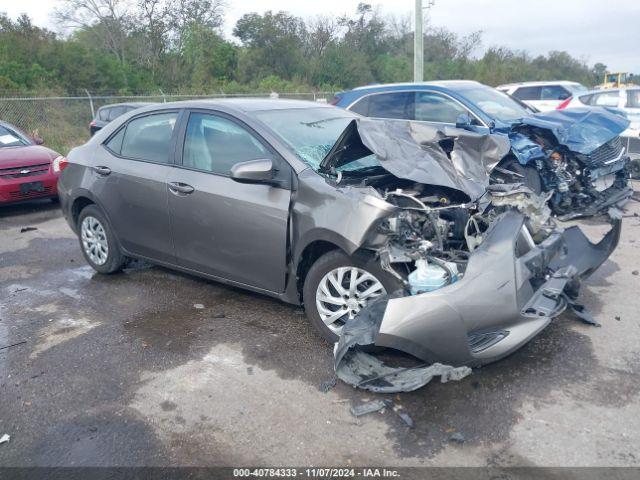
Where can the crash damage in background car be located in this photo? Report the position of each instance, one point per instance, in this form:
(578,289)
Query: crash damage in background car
(484,269)
(580,158)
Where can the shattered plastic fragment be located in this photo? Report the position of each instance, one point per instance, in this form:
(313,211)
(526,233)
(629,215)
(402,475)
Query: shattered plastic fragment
(366,408)
(5,439)
(583,314)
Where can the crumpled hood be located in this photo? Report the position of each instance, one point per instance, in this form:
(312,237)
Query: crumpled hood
(414,151)
(581,130)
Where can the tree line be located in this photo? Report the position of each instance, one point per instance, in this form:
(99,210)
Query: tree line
(141,46)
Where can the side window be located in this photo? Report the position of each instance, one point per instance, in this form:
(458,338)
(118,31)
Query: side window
(633,98)
(215,144)
(586,99)
(527,93)
(149,137)
(432,107)
(554,92)
(115,112)
(608,99)
(361,106)
(115,142)
(103,114)
(392,105)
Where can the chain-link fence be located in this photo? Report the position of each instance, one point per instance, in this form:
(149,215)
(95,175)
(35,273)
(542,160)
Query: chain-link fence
(63,122)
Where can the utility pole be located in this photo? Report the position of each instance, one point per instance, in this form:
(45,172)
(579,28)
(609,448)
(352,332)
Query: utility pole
(418,45)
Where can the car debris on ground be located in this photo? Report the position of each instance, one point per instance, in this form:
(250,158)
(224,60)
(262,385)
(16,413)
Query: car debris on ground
(5,439)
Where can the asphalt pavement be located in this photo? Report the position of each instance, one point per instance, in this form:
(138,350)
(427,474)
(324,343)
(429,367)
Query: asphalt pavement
(153,367)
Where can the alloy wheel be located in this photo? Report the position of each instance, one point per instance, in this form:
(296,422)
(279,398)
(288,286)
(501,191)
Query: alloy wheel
(343,292)
(94,240)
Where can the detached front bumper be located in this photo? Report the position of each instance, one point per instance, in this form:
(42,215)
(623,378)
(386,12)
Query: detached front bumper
(510,291)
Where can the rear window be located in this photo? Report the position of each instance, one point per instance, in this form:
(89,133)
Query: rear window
(146,138)
(392,105)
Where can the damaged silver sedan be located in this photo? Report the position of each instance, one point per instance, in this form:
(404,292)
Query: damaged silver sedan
(387,232)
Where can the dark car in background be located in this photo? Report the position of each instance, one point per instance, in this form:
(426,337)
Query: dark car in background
(28,170)
(109,113)
(575,155)
(315,205)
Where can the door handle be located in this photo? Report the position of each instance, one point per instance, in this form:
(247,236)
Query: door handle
(102,171)
(180,188)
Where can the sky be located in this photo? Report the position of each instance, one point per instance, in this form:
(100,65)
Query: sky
(592,30)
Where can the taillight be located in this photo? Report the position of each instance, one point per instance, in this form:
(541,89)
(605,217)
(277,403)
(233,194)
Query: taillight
(564,104)
(92,123)
(59,164)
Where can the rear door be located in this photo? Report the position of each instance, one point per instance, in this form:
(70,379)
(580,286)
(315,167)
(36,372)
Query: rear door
(131,173)
(221,227)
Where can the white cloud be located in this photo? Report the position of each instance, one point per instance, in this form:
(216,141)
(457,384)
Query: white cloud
(591,29)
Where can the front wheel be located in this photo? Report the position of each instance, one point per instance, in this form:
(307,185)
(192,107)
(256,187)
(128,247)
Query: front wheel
(528,175)
(338,286)
(97,241)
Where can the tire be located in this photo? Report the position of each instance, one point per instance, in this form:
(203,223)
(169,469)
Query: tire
(531,176)
(99,246)
(360,263)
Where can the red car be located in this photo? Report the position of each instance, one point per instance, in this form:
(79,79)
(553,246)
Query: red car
(27,169)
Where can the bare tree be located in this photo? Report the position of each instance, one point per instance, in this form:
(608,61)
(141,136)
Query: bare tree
(109,21)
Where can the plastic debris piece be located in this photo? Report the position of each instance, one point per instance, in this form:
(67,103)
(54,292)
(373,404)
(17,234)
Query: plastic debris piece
(457,438)
(198,306)
(583,314)
(369,407)
(5,439)
(405,418)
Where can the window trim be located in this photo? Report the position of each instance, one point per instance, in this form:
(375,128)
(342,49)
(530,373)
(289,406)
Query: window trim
(414,91)
(179,148)
(172,146)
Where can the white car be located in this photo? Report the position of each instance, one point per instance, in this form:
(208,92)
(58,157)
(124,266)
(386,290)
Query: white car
(626,100)
(543,96)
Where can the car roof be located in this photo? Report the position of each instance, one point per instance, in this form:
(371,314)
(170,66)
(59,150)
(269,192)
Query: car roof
(245,104)
(128,104)
(538,84)
(451,84)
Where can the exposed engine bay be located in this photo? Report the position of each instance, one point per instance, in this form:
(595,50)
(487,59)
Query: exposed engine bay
(460,247)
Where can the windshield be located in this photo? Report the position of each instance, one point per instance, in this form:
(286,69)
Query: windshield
(495,104)
(312,132)
(11,138)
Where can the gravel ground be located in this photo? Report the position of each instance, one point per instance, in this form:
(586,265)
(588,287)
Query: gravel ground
(124,370)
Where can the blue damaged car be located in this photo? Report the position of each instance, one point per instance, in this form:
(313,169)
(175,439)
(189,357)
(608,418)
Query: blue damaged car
(576,157)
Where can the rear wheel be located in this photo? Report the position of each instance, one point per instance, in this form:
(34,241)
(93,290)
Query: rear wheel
(98,244)
(338,286)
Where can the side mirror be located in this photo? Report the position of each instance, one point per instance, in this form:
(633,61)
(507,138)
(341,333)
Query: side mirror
(255,171)
(464,121)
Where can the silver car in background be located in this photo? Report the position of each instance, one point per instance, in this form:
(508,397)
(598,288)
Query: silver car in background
(625,100)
